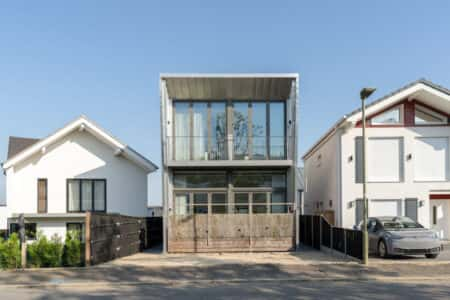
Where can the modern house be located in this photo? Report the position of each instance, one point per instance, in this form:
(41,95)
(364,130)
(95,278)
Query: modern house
(54,181)
(407,161)
(229,161)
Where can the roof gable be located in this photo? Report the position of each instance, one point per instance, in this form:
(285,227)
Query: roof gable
(81,124)
(426,92)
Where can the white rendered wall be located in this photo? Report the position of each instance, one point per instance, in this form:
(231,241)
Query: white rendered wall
(78,155)
(3,217)
(321,178)
(408,188)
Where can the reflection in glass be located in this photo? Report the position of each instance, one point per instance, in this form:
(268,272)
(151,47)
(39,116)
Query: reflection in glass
(182,205)
(219,203)
(241,203)
(259,131)
(259,204)
(240,130)
(200,130)
(200,203)
(277,132)
(218,131)
(182,144)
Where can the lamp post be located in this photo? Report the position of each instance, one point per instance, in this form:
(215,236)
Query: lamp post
(364,94)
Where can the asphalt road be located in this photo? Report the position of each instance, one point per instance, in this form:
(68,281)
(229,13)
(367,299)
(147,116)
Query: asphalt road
(273,289)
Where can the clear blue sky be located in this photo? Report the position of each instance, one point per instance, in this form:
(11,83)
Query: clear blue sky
(60,59)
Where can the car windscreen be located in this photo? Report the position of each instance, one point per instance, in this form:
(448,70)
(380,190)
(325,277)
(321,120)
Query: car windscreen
(397,225)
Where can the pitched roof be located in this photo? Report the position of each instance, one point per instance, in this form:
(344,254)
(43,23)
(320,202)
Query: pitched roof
(17,144)
(82,123)
(354,113)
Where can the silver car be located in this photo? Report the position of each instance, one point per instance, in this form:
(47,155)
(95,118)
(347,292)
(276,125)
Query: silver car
(401,236)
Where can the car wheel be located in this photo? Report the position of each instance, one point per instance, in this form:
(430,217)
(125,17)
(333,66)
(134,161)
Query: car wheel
(431,255)
(382,249)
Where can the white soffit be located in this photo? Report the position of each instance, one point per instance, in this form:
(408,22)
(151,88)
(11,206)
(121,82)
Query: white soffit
(83,124)
(229,86)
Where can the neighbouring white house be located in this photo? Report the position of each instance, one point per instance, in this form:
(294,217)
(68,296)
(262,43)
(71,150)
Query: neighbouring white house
(155,211)
(54,181)
(407,161)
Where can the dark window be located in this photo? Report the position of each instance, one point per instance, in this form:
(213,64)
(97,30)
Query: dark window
(411,209)
(30,230)
(241,203)
(76,227)
(434,214)
(201,203)
(86,195)
(219,203)
(247,179)
(259,203)
(192,180)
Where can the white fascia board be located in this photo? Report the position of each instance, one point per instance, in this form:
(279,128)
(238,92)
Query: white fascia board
(91,128)
(229,75)
(396,98)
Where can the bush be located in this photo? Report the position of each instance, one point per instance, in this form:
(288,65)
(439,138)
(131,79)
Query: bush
(72,250)
(44,252)
(10,256)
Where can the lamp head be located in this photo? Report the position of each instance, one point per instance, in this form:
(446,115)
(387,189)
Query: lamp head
(366,92)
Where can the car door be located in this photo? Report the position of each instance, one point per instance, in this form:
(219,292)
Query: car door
(372,230)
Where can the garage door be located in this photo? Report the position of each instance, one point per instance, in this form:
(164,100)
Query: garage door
(380,208)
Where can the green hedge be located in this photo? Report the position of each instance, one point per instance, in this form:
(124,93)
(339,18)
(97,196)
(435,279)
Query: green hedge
(10,252)
(53,253)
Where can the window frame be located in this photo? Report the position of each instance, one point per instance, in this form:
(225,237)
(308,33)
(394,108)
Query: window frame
(81,237)
(435,114)
(80,180)
(401,120)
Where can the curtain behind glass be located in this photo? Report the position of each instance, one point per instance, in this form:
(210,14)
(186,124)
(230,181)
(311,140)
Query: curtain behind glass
(74,195)
(99,195)
(200,131)
(86,195)
(181,131)
(277,131)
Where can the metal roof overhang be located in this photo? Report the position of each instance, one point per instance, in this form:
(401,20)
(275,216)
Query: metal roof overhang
(229,86)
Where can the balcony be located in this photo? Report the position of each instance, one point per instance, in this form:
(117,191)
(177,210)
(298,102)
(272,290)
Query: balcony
(192,148)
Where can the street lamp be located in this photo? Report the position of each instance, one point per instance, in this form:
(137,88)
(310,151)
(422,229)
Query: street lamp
(364,94)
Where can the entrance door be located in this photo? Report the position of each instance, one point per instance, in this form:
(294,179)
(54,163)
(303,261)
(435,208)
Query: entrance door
(440,213)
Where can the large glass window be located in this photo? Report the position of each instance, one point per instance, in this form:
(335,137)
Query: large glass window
(182,128)
(182,204)
(259,130)
(200,180)
(240,130)
(260,179)
(259,203)
(86,195)
(200,203)
(424,116)
(241,201)
(393,116)
(277,131)
(30,230)
(200,130)
(218,131)
(219,203)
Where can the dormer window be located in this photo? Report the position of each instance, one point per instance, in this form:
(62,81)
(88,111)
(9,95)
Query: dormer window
(390,117)
(425,116)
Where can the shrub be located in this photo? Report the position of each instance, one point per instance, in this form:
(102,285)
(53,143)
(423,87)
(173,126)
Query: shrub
(10,256)
(72,250)
(44,252)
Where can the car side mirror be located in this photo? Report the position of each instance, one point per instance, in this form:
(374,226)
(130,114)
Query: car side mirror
(355,227)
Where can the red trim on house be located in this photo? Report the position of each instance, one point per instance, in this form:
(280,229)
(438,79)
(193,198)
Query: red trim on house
(440,197)
(409,109)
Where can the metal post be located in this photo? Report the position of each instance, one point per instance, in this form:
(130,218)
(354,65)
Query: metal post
(364,180)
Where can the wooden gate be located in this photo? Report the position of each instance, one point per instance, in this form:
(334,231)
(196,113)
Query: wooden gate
(231,232)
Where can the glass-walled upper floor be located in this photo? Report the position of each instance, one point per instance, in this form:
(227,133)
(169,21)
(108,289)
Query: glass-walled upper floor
(222,130)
